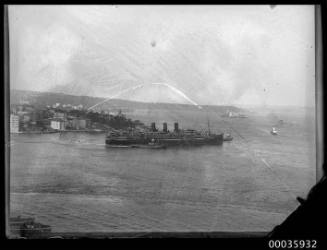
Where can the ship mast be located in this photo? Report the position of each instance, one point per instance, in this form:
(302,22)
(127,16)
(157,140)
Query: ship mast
(208,123)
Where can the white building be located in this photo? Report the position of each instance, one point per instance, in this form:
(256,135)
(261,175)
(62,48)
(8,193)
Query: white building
(14,123)
(60,115)
(57,124)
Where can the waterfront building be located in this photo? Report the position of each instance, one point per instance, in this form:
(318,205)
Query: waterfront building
(56,105)
(14,123)
(59,115)
(14,110)
(58,124)
(82,123)
(20,108)
(29,108)
(21,113)
(77,123)
(26,118)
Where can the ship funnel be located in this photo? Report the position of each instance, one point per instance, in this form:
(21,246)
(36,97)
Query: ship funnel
(176,129)
(153,126)
(164,128)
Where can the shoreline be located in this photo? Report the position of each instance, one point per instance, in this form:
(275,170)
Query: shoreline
(59,131)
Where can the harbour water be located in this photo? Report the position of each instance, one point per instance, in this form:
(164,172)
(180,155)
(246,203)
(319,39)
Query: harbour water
(74,183)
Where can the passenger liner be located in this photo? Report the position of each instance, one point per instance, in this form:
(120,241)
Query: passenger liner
(162,139)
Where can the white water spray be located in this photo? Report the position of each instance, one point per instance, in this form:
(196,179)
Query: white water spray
(177,91)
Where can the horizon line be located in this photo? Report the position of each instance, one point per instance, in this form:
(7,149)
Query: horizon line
(231,104)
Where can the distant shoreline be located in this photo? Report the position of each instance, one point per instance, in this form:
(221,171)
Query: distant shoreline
(131,102)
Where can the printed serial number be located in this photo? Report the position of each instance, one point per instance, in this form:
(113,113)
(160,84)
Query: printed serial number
(292,244)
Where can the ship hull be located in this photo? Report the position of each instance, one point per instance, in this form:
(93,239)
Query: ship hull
(168,142)
(146,146)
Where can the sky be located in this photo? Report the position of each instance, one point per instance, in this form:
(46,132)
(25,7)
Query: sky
(206,55)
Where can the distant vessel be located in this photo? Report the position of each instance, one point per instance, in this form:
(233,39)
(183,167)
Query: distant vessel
(231,114)
(153,138)
(228,137)
(273,131)
(28,228)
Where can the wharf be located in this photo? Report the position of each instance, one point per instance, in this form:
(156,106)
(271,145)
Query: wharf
(61,131)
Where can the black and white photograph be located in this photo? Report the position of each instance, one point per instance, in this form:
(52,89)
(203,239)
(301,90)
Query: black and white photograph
(140,119)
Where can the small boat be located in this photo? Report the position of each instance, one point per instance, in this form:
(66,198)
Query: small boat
(273,131)
(228,137)
(27,227)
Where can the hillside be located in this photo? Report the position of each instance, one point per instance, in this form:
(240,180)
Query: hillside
(41,99)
